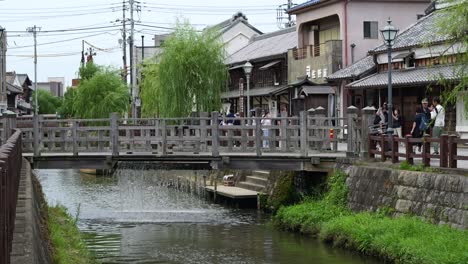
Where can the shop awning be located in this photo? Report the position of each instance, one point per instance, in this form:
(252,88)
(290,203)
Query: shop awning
(407,77)
(308,90)
(261,91)
(268,65)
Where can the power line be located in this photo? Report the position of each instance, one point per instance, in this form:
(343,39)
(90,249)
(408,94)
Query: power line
(70,29)
(58,8)
(59,41)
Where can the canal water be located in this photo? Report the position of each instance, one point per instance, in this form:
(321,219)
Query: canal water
(138,217)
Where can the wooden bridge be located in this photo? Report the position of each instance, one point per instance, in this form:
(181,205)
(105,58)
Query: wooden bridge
(289,143)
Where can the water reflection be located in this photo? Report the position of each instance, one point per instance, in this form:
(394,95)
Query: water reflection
(135,217)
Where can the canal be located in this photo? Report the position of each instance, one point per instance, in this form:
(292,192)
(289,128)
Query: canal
(136,217)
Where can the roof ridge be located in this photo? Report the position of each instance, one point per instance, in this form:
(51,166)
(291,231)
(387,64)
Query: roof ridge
(274,33)
(419,21)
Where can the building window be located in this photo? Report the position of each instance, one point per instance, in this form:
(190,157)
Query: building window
(371,29)
(409,61)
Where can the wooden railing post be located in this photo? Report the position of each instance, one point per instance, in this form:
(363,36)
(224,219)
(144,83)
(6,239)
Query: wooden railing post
(215,134)
(452,151)
(443,154)
(426,151)
(367,115)
(320,132)
(75,137)
(352,116)
(284,144)
(310,131)
(258,138)
(203,131)
(163,137)
(36,134)
(395,144)
(304,143)
(114,133)
(383,157)
(408,150)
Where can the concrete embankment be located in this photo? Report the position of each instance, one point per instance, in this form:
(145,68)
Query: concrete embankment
(29,239)
(439,198)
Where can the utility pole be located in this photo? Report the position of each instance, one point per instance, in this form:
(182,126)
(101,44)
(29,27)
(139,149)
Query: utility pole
(280,11)
(290,22)
(90,54)
(132,70)
(3,101)
(124,42)
(36,92)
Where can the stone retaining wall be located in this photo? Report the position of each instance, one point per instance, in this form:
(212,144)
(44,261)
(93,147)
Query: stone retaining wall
(440,198)
(29,246)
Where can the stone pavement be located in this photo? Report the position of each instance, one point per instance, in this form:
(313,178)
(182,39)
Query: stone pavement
(28,243)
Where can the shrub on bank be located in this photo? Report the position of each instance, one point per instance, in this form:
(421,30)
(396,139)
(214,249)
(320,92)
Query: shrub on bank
(68,247)
(404,239)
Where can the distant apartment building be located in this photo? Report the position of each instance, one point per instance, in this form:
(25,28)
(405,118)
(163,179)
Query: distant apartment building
(333,34)
(55,86)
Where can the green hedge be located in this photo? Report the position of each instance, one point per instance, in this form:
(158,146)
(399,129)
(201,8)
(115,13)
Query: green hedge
(402,240)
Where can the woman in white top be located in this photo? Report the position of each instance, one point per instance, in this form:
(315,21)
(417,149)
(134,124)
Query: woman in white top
(266,121)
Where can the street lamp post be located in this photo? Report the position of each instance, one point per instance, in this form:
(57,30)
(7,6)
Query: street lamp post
(389,33)
(248,70)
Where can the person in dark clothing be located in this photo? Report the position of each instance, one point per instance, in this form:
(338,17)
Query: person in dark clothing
(229,117)
(427,114)
(415,131)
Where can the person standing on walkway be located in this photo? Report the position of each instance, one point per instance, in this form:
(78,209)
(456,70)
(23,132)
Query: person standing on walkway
(438,115)
(427,116)
(397,121)
(266,121)
(417,130)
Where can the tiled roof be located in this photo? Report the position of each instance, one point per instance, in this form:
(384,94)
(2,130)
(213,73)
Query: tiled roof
(424,31)
(266,45)
(304,5)
(418,76)
(238,17)
(253,92)
(14,88)
(355,70)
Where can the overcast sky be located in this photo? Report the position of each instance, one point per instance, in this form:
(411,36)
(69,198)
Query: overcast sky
(60,52)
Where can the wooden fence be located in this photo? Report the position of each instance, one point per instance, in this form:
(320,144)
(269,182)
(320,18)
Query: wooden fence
(389,147)
(206,134)
(10,169)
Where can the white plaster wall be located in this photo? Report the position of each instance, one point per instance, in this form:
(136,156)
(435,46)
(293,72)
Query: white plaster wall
(237,37)
(402,13)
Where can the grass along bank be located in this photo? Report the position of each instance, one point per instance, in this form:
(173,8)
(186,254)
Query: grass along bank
(68,246)
(402,240)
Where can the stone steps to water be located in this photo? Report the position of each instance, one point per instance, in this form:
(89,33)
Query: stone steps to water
(250,186)
(257,180)
(261,174)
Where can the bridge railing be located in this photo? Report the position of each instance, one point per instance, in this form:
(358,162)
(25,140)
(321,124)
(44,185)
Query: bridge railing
(10,169)
(207,134)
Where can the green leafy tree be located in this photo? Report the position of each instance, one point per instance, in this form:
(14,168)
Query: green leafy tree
(100,94)
(454,23)
(48,104)
(189,73)
(66,110)
(88,70)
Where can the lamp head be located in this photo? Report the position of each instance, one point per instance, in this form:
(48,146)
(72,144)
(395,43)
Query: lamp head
(389,33)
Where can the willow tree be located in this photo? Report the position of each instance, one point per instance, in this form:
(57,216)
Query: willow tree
(48,104)
(454,23)
(100,94)
(189,74)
